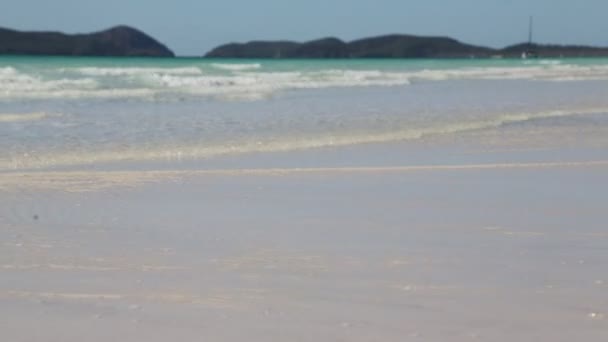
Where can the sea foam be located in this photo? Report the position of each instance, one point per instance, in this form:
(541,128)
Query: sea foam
(263,143)
(131,71)
(251,82)
(237,67)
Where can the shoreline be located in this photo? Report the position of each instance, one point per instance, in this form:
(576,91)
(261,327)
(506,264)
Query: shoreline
(54,179)
(495,234)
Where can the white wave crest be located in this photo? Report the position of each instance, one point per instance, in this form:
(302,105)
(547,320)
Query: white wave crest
(247,83)
(5,71)
(197,151)
(236,67)
(536,72)
(15,84)
(258,85)
(132,71)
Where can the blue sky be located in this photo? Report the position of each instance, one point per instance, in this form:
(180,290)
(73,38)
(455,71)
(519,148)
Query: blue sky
(192,27)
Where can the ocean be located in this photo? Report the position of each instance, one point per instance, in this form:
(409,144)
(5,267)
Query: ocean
(75,113)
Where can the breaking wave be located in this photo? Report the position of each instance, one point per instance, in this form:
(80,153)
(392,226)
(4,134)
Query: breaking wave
(132,71)
(262,143)
(249,81)
(237,67)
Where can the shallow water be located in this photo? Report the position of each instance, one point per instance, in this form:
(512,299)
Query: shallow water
(89,112)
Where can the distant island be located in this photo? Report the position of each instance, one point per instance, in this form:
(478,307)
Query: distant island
(128,41)
(116,41)
(395,46)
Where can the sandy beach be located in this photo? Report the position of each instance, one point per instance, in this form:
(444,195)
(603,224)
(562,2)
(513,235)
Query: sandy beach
(504,243)
(261,200)
(303,171)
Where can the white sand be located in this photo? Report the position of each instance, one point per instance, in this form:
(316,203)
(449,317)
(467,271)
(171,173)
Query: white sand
(484,246)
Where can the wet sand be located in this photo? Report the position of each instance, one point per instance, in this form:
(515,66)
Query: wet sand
(485,246)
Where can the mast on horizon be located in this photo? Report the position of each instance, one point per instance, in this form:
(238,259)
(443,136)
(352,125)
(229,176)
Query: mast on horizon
(528,52)
(530,28)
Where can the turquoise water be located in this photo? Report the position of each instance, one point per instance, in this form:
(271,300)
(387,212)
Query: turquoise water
(166,79)
(85,112)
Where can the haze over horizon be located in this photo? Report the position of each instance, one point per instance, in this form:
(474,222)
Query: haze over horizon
(193,28)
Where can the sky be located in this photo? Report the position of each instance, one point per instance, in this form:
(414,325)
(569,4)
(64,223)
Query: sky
(193,27)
